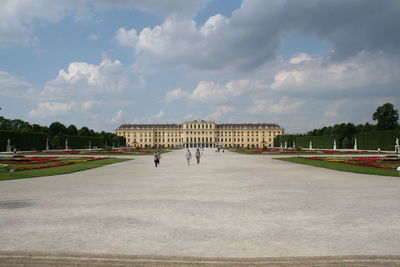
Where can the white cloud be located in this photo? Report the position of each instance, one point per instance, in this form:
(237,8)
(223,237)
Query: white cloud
(300,58)
(220,112)
(51,109)
(287,79)
(117,117)
(90,81)
(160,7)
(213,24)
(16,17)
(151,119)
(359,75)
(212,92)
(175,95)
(89,105)
(252,35)
(274,106)
(126,38)
(14,86)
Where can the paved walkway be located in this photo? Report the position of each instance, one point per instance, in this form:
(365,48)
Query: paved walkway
(231,205)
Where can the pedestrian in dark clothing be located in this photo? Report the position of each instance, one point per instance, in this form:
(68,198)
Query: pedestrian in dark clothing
(157,158)
(198,155)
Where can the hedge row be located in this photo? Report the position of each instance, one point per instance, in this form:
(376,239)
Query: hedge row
(37,141)
(385,140)
(78,142)
(22,141)
(323,142)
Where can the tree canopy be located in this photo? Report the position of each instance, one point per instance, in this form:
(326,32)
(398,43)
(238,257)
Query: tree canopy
(387,117)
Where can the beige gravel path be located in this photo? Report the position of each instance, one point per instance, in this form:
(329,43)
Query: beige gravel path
(231,205)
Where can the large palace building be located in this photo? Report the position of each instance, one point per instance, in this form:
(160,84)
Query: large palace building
(200,133)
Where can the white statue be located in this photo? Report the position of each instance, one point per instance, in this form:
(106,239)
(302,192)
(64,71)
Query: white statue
(310,145)
(66,144)
(355,144)
(334,144)
(8,145)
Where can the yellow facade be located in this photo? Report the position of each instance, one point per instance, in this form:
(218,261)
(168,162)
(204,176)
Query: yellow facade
(200,133)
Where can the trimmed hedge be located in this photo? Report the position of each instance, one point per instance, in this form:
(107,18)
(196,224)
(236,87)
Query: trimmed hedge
(78,142)
(281,139)
(385,140)
(22,141)
(323,141)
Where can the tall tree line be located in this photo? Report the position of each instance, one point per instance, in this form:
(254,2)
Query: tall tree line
(387,118)
(56,130)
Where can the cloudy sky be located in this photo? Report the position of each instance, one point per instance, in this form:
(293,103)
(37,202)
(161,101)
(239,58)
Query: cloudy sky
(99,63)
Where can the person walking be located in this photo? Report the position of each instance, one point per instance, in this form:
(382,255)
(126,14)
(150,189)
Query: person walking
(188,156)
(157,158)
(198,155)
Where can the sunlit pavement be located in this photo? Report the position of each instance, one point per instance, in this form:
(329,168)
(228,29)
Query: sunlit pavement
(229,205)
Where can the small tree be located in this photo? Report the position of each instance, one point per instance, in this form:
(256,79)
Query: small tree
(387,117)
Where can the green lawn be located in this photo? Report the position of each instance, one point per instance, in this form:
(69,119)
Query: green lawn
(6,175)
(343,167)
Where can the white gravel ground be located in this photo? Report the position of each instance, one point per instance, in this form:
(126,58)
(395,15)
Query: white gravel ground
(230,205)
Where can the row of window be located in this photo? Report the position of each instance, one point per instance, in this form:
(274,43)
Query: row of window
(198,126)
(199,140)
(202,132)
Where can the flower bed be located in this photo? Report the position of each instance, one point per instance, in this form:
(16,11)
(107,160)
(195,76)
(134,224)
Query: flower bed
(376,162)
(37,162)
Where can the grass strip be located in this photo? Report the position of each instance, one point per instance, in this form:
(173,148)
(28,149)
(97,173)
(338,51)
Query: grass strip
(5,175)
(343,166)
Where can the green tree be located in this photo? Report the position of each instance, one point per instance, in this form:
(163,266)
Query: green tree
(72,130)
(57,128)
(387,117)
(36,128)
(84,131)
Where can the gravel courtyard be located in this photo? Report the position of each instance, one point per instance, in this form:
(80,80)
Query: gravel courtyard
(230,205)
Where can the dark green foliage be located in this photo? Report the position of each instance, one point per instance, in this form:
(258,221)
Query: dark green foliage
(72,130)
(346,143)
(385,140)
(22,140)
(57,128)
(56,133)
(387,117)
(323,142)
(84,131)
(77,142)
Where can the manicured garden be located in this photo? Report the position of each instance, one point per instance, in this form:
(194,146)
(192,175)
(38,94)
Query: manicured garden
(291,151)
(20,166)
(119,151)
(378,165)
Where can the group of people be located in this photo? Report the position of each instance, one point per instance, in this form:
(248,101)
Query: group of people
(157,157)
(189,156)
(198,154)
